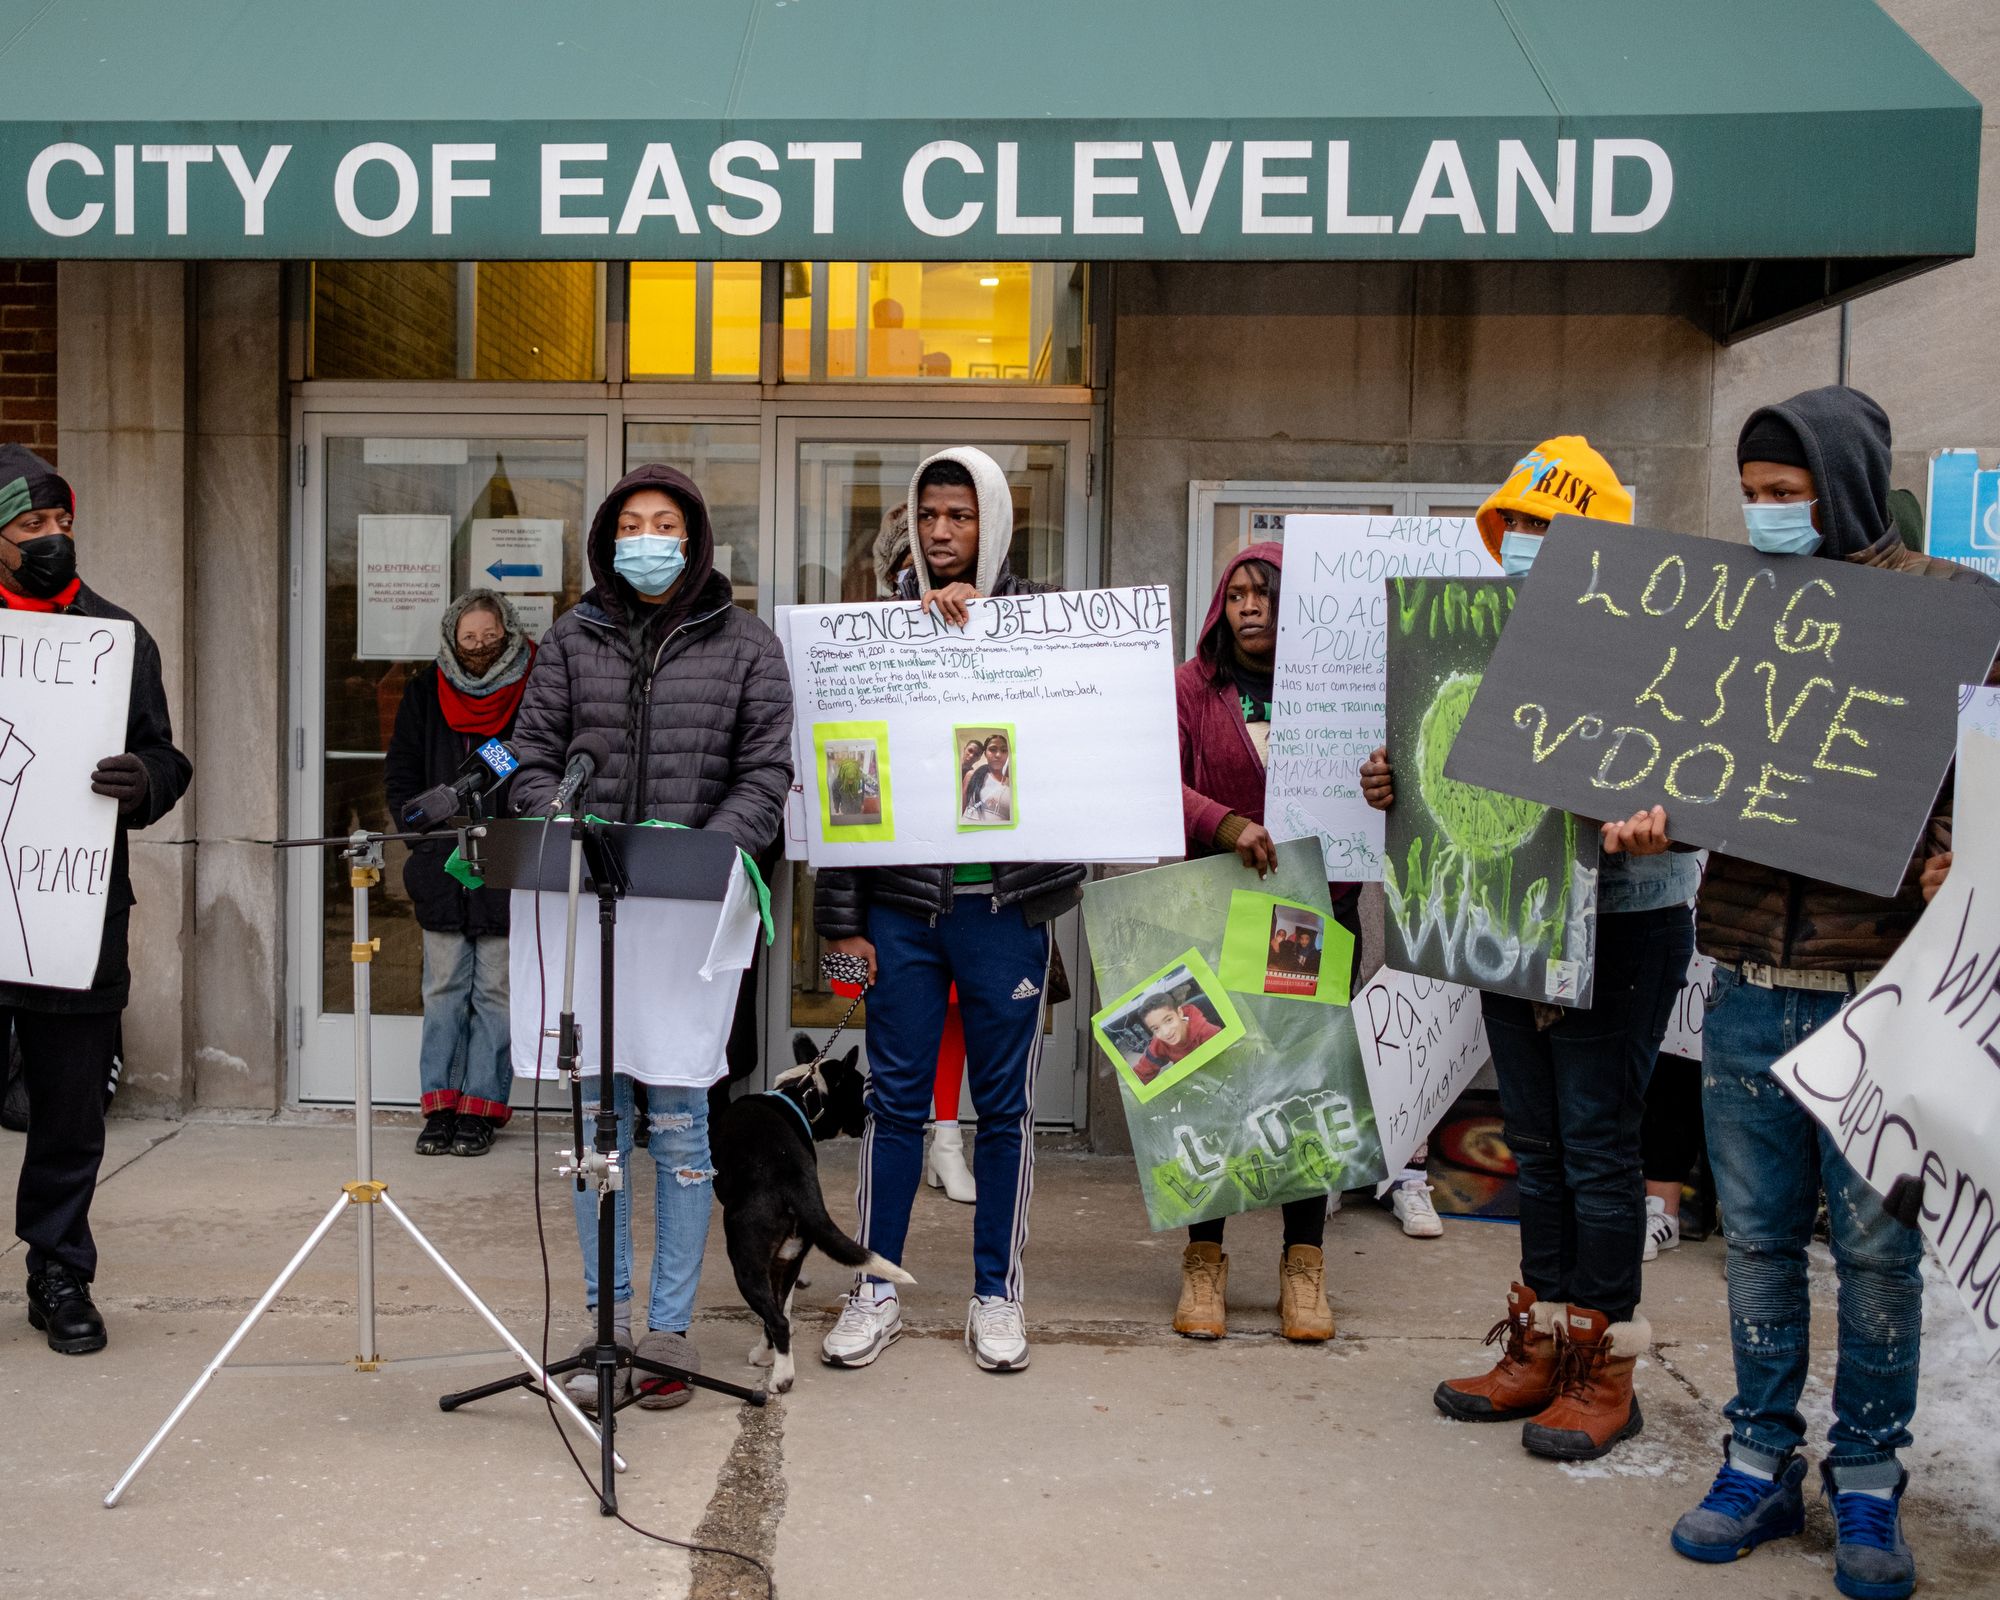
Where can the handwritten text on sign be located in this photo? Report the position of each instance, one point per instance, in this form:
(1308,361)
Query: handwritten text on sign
(1907,1077)
(1422,1042)
(1785,709)
(1066,698)
(1328,697)
(65,685)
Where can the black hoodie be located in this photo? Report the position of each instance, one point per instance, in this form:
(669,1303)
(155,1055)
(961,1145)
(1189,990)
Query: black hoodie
(1845,436)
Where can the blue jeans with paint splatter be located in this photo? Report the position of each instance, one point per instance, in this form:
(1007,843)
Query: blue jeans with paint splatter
(683,1192)
(1771,1160)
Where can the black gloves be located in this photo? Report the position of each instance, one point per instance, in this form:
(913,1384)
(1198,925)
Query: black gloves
(123,778)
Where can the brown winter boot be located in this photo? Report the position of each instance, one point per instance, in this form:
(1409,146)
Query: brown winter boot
(1304,1317)
(1203,1312)
(1594,1407)
(1524,1380)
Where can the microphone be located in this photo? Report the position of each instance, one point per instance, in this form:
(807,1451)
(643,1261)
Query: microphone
(589,754)
(485,769)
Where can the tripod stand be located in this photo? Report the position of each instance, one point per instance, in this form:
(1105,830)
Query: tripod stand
(363,853)
(684,861)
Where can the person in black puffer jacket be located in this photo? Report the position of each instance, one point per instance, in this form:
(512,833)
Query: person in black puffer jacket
(468,695)
(923,928)
(691,695)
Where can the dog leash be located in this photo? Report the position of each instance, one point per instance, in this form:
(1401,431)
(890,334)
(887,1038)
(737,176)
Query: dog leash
(835,968)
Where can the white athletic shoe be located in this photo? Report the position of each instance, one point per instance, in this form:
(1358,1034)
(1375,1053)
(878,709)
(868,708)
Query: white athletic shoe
(1411,1201)
(1663,1232)
(866,1328)
(1333,1204)
(996,1332)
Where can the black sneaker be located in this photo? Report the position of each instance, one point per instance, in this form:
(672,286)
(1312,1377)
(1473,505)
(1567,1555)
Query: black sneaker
(473,1136)
(435,1140)
(59,1304)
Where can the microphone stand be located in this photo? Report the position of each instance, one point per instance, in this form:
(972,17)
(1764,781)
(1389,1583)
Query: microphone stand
(363,853)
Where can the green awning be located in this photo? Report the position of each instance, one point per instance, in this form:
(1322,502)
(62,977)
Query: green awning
(1809,132)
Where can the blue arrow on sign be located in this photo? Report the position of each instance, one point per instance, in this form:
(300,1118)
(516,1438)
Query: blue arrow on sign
(501,571)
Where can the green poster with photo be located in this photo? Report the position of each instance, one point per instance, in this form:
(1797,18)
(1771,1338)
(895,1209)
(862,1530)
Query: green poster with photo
(1281,947)
(1280,1114)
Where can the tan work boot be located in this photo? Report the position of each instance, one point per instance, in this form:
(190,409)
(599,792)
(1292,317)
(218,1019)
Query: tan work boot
(1523,1382)
(1594,1406)
(1203,1312)
(1304,1317)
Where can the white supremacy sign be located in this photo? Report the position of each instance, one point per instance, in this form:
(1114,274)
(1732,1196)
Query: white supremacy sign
(1331,682)
(1043,730)
(1422,1041)
(1907,1076)
(65,688)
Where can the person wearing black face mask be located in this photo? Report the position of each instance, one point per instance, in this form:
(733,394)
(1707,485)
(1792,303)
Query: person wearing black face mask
(69,1036)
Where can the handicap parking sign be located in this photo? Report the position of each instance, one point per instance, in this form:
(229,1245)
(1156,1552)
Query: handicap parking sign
(1963,521)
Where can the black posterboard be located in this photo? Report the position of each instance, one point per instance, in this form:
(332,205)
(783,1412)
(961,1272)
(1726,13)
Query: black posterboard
(1482,888)
(1791,710)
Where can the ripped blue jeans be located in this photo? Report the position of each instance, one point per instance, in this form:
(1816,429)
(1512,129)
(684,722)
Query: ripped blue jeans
(683,1191)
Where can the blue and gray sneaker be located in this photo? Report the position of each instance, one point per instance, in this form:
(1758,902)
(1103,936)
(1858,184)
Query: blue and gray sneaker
(1741,1512)
(1870,1559)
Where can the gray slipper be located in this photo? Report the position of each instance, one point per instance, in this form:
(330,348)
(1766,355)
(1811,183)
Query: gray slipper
(672,1350)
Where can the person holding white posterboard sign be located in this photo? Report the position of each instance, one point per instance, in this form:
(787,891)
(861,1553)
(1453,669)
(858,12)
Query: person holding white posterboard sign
(68,1033)
(923,929)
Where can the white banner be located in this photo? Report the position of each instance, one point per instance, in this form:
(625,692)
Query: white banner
(1327,702)
(402,567)
(65,693)
(1907,1077)
(1044,730)
(1422,1041)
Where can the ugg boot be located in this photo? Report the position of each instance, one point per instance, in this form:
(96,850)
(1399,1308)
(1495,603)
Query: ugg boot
(1594,1407)
(1524,1380)
(1304,1317)
(947,1167)
(1203,1312)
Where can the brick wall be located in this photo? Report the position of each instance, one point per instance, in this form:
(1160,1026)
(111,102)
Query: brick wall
(537,321)
(385,319)
(28,355)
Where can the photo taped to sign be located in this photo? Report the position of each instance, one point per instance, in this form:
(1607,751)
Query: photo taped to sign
(989,796)
(1168,1026)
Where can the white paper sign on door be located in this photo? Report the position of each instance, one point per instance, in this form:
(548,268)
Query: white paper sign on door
(65,690)
(517,555)
(535,613)
(1327,700)
(403,577)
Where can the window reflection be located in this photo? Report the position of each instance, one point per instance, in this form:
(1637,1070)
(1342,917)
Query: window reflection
(694,319)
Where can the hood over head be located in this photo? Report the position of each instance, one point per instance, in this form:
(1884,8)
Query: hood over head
(614,595)
(1560,477)
(996,518)
(892,544)
(517,650)
(28,483)
(1212,649)
(1843,438)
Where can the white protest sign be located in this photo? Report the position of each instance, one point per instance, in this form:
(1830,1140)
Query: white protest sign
(517,555)
(1422,1041)
(65,690)
(1691,1010)
(402,570)
(1327,699)
(1907,1077)
(1978,712)
(1044,730)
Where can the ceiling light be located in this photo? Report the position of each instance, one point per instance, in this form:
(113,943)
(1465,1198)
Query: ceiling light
(989,283)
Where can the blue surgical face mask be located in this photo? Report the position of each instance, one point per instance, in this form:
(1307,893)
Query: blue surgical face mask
(1518,552)
(1785,530)
(649,561)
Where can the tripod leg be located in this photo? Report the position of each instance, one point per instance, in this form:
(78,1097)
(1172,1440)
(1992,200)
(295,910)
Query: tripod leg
(221,1356)
(607,1337)
(535,1372)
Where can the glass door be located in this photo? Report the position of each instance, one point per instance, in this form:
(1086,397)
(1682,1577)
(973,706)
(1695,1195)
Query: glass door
(839,479)
(401,514)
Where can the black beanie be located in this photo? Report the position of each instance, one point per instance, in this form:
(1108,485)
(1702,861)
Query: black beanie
(1769,437)
(28,483)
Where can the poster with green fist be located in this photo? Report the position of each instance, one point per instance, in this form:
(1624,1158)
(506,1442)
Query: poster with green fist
(1281,1112)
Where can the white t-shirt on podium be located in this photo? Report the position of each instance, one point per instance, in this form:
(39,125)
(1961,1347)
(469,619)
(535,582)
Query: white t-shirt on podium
(679,966)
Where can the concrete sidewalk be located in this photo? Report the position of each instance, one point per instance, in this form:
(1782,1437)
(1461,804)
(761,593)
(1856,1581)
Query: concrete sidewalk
(1125,1462)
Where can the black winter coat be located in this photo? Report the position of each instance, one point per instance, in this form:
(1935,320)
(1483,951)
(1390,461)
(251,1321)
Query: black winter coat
(424,752)
(149,735)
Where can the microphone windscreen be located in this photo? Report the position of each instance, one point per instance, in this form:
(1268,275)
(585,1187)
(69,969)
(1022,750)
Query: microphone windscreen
(594,745)
(431,809)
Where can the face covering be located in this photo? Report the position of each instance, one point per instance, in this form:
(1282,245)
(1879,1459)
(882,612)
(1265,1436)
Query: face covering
(479,662)
(1518,552)
(649,561)
(48,565)
(1782,530)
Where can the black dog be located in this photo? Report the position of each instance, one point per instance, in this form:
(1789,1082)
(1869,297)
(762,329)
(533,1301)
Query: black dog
(767,1178)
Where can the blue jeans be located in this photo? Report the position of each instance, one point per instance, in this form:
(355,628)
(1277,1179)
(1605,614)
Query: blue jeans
(1001,966)
(683,1192)
(463,1063)
(1771,1160)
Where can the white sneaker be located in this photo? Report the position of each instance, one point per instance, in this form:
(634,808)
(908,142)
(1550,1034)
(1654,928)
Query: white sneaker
(996,1332)
(1411,1201)
(1663,1231)
(1333,1204)
(866,1328)
(945,1166)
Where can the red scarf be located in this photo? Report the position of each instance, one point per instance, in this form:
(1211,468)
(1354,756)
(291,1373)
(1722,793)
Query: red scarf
(62,600)
(486,714)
